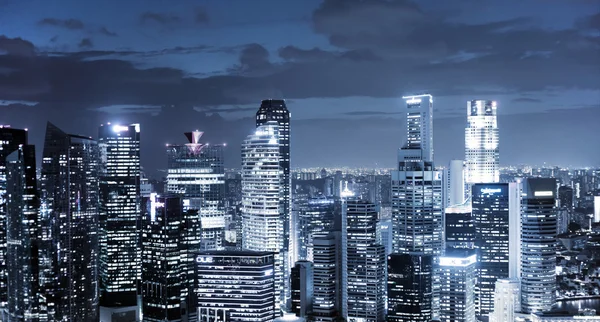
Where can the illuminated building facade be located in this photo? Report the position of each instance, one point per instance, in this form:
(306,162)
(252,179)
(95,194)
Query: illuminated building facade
(10,140)
(538,245)
(22,204)
(327,277)
(460,226)
(457,279)
(409,287)
(495,211)
(262,199)
(276,111)
(317,216)
(165,282)
(69,226)
(454,184)
(417,216)
(195,171)
(481,143)
(120,255)
(235,286)
(366,263)
(507,300)
(302,288)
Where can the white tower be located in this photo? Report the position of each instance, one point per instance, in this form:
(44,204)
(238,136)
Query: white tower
(481,142)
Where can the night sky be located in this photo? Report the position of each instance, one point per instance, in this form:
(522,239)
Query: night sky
(342,66)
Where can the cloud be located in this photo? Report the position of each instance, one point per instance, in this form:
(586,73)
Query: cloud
(71,24)
(201,16)
(526,100)
(85,43)
(254,57)
(591,22)
(17,103)
(16,46)
(371,113)
(159,18)
(128,109)
(107,32)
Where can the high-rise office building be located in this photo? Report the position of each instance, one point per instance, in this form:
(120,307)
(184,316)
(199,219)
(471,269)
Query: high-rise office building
(120,255)
(507,300)
(460,226)
(10,140)
(69,226)
(315,217)
(457,280)
(235,286)
(165,285)
(481,143)
(454,184)
(22,204)
(409,287)
(366,263)
(262,199)
(302,288)
(276,111)
(417,216)
(495,211)
(327,277)
(538,245)
(196,172)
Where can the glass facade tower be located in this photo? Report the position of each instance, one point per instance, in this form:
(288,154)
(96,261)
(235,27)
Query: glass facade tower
(120,256)
(69,226)
(22,204)
(481,143)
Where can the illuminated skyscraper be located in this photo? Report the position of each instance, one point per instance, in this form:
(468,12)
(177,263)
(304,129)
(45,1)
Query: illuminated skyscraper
(22,204)
(538,245)
(409,287)
(460,226)
(166,286)
(327,277)
(69,226)
(457,279)
(315,217)
(507,300)
(495,211)
(196,172)
(275,111)
(366,263)
(302,288)
(262,199)
(454,184)
(417,219)
(481,143)
(10,140)
(120,255)
(235,286)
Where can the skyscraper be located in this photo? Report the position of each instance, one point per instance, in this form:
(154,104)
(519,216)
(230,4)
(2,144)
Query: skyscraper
(302,288)
(235,286)
(327,277)
(507,300)
(417,219)
(120,256)
(276,111)
(538,245)
(315,217)
(10,140)
(164,282)
(460,226)
(481,143)
(69,226)
(454,184)
(196,172)
(22,204)
(262,199)
(493,215)
(409,287)
(366,263)
(457,279)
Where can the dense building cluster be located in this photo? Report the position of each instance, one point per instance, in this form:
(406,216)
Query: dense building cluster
(89,237)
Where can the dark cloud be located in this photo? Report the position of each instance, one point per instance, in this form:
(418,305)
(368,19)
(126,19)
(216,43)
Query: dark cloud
(16,46)
(526,100)
(107,32)
(201,16)
(54,39)
(72,24)
(254,57)
(591,22)
(160,18)
(85,43)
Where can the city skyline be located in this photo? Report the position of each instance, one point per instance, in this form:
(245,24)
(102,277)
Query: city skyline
(201,66)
